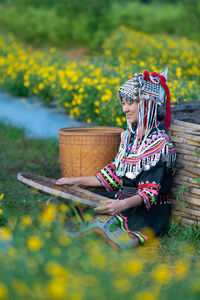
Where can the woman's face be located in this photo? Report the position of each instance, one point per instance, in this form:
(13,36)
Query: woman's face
(131,111)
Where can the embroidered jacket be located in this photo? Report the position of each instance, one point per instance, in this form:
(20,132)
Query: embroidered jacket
(149,169)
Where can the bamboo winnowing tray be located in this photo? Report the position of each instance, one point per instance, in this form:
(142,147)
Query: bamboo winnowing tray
(48,186)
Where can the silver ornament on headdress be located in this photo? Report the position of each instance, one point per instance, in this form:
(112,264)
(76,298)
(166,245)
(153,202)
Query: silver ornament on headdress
(161,96)
(132,89)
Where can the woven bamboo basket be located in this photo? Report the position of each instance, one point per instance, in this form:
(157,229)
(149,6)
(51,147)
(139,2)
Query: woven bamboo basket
(186,188)
(85,150)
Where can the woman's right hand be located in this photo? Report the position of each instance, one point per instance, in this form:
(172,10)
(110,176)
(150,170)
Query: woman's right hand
(68,181)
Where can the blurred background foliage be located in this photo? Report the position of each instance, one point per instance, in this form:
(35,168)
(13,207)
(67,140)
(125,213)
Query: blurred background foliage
(67,24)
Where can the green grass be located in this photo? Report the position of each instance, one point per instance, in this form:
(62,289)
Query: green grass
(67,24)
(19,154)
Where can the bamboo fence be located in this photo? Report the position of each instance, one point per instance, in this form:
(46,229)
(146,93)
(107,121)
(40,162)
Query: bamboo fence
(185,193)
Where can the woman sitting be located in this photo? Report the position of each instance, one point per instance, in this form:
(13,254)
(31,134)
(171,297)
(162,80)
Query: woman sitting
(138,180)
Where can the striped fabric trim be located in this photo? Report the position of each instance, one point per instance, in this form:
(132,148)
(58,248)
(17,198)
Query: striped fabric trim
(145,199)
(148,192)
(108,178)
(156,147)
(109,241)
(124,225)
(155,144)
(104,182)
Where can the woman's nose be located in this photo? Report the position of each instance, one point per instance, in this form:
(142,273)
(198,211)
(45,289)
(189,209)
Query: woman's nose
(125,108)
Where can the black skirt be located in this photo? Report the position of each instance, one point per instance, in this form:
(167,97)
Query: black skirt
(156,218)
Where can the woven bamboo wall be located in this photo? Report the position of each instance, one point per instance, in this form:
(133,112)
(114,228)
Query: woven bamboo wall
(186,188)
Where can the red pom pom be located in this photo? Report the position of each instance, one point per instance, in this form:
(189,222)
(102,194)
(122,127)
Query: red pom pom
(146,75)
(167,119)
(162,78)
(154,74)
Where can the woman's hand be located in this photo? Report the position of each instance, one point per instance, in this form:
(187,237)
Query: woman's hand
(68,181)
(84,180)
(111,207)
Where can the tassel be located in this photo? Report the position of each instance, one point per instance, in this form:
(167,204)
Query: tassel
(167,119)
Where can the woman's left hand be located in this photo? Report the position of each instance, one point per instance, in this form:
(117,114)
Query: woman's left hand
(110,207)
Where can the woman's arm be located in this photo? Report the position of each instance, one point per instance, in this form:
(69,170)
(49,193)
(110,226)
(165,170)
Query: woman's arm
(113,207)
(85,180)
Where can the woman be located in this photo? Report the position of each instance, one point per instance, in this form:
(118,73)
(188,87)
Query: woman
(138,180)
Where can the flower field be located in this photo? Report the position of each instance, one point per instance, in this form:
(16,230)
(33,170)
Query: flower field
(38,261)
(87,88)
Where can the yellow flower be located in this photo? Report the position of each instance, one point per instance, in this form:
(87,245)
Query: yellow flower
(123,284)
(5,234)
(54,269)
(27,83)
(181,268)
(48,216)
(40,86)
(161,273)
(133,267)
(76,296)
(1,196)
(178,72)
(96,111)
(66,104)
(105,97)
(26,221)
(64,240)
(63,207)
(96,103)
(124,119)
(1,211)
(64,86)
(35,91)
(3,291)
(53,49)
(34,243)
(118,120)
(99,87)
(88,217)
(107,52)
(57,288)
(89,120)
(145,295)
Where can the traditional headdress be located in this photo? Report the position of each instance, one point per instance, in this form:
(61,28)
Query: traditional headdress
(151,92)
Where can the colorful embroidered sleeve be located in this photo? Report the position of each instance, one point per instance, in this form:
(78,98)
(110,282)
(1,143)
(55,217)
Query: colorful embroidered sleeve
(150,184)
(108,178)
